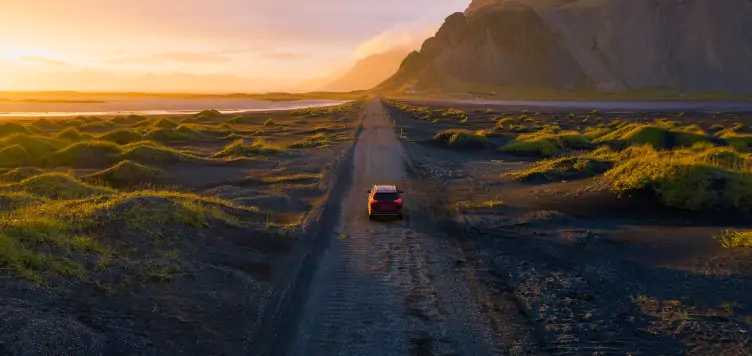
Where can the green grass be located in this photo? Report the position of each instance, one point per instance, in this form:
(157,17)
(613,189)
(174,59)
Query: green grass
(67,228)
(85,154)
(45,123)
(487,204)
(324,111)
(153,153)
(658,136)
(15,156)
(239,148)
(97,126)
(10,128)
(56,186)
(563,168)
(548,142)
(126,173)
(70,134)
(19,174)
(128,120)
(299,178)
(122,136)
(732,238)
(684,179)
(179,133)
(461,139)
(317,140)
(164,124)
(37,146)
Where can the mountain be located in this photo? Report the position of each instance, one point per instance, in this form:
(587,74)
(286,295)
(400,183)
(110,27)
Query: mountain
(607,45)
(368,72)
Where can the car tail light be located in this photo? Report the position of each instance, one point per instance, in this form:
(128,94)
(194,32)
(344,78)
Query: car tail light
(374,201)
(398,201)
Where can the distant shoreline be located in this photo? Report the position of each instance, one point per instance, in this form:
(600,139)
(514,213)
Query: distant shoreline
(164,112)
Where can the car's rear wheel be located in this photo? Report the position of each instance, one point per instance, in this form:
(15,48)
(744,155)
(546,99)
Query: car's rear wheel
(400,217)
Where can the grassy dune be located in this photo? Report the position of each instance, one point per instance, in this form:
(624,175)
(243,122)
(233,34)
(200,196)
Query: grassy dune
(688,165)
(70,187)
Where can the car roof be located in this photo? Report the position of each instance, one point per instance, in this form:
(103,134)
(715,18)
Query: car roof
(384,189)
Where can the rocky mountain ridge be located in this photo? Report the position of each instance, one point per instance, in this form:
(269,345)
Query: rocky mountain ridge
(606,45)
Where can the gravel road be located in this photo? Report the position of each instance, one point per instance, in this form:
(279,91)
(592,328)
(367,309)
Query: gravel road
(387,288)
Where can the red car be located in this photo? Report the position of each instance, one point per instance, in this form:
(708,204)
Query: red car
(385,200)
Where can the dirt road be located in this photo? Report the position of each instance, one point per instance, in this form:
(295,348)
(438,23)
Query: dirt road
(386,288)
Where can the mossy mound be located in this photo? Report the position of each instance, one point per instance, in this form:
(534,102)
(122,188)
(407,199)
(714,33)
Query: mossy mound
(548,142)
(660,137)
(70,134)
(127,220)
(151,153)
(239,148)
(169,135)
(164,124)
(565,168)
(44,123)
(122,136)
(683,181)
(16,200)
(72,123)
(56,186)
(189,131)
(15,156)
(126,173)
(37,146)
(128,120)
(89,119)
(241,120)
(20,173)
(461,139)
(97,126)
(10,128)
(89,153)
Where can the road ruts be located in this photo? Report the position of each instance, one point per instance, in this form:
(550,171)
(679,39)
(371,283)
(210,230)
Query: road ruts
(385,288)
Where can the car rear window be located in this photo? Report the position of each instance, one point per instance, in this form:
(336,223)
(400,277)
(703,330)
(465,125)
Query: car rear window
(386,196)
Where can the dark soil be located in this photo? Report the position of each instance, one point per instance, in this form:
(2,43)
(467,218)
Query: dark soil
(194,291)
(591,272)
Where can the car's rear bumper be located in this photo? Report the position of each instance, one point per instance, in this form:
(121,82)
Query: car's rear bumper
(385,213)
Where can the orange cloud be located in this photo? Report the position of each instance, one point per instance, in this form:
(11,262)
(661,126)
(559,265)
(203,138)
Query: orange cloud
(402,38)
(285,56)
(39,60)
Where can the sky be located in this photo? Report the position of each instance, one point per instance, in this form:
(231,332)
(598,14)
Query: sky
(249,44)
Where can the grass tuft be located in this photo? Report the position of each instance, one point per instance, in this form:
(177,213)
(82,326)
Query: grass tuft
(239,148)
(461,139)
(732,238)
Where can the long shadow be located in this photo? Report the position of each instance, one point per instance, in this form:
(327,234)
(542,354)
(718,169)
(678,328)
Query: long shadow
(285,305)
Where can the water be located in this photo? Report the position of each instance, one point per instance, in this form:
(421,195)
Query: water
(154,106)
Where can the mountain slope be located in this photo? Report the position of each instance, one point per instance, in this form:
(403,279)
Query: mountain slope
(616,45)
(368,72)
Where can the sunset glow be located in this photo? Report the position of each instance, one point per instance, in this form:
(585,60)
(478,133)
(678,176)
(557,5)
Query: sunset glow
(251,45)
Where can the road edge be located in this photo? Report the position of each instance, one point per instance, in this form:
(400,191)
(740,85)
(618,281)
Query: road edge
(281,316)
